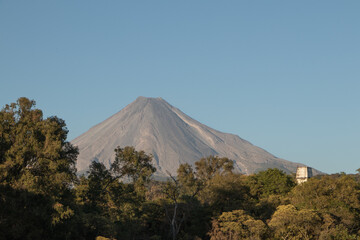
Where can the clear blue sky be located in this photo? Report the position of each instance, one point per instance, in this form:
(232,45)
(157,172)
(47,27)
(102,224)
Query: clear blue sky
(284,75)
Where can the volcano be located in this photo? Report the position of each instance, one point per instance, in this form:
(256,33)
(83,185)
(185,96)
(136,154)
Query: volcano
(172,137)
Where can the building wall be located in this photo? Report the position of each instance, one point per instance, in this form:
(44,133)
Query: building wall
(303,174)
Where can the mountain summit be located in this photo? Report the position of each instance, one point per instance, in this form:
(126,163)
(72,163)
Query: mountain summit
(172,137)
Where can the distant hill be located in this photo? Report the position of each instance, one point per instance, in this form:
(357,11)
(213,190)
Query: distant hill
(172,137)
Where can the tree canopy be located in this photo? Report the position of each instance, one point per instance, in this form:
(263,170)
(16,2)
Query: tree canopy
(41,197)
(38,165)
(34,153)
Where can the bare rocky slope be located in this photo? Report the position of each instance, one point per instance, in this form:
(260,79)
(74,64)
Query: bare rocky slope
(172,137)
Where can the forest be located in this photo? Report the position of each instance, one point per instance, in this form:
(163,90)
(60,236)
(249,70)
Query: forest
(43,197)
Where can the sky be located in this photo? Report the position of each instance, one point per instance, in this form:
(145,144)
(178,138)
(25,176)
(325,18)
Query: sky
(284,75)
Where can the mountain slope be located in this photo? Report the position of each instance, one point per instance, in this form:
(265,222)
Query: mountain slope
(172,137)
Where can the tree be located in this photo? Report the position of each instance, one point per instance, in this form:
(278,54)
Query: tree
(207,168)
(268,189)
(226,193)
(38,164)
(339,232)
(110,207)
(237,225)
(290,223)
(204,184)
(270,182)
(183,210)
(24,215)
(183,192)
(135,165)
(186,176)
(338,196)
(34,153)
(172,191)
(92,190)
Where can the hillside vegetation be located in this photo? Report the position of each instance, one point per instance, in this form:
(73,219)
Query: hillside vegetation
(41,196)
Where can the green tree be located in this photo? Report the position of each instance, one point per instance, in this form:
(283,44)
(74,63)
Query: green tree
(135,165)
(184,212)
(338,232)
(25,215)
(110,207)
(237,225)
(338,196)
(34,153)
(186,176)
(226,193)
(207,168)
(268,190)
(37,163)
(92,191)
(175,215)
(270,182)
(290,223)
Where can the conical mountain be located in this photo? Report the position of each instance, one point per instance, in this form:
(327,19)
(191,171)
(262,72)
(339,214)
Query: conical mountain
(172,137)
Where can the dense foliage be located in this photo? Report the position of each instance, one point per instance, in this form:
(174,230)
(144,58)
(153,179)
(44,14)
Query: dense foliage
(41,197)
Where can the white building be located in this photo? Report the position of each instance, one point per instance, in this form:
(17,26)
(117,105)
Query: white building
(303,174)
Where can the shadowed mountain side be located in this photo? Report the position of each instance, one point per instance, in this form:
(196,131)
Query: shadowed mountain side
(172,137)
